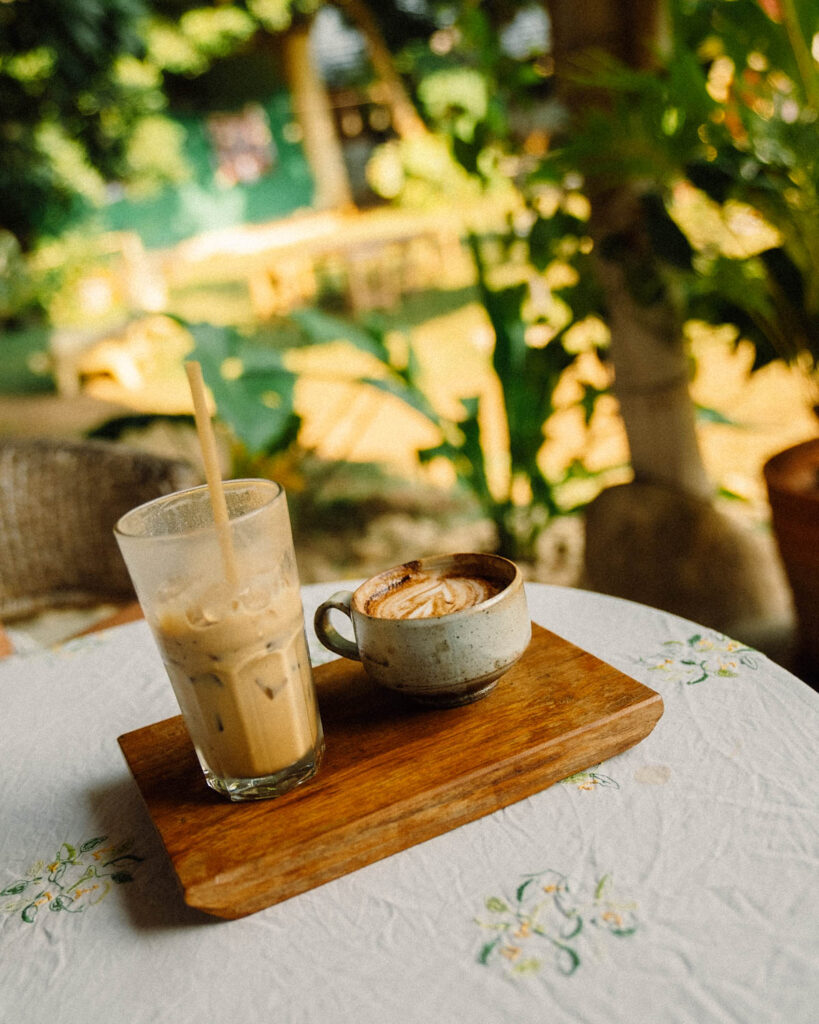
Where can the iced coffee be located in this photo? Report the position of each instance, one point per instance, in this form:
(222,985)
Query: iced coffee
(235,651)
(241,674)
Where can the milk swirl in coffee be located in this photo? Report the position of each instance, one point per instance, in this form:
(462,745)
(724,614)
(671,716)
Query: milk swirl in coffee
(425,594)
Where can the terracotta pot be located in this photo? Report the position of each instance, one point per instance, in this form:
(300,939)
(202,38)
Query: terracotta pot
(792,479)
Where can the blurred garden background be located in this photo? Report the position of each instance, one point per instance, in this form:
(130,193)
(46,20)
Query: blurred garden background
(531,277)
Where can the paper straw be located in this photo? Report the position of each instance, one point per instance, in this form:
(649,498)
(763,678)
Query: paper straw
(207,442)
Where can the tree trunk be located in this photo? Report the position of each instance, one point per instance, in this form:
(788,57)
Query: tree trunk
(314,114)
(660,539)
(647,345)
(651,366)
(405,117)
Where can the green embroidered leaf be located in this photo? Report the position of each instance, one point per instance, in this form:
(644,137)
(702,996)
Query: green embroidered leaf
(121,876)
(67,853)
(529,966)
(496,905)
(55,876)
(623,931)
(15,887)
(90,872)
(522,889)
(574,925)
(60,903)
(567,960)
(486,951)
(92,844)
(30,912)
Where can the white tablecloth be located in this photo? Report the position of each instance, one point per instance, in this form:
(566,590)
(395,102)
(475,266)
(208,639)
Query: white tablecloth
(675,882)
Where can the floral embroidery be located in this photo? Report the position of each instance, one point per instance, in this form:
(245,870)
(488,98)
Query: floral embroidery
(76,878)
(589,779)
(701,657)
(546,925)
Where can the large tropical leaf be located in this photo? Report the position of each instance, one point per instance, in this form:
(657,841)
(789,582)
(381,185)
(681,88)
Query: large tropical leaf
(252,388)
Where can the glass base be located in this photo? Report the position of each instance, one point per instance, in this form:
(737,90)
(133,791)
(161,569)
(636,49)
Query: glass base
(268,786)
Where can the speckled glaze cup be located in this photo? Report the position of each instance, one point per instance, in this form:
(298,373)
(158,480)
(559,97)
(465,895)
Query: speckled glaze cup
(441,630)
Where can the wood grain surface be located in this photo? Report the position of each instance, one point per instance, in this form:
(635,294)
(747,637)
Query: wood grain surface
(394,774)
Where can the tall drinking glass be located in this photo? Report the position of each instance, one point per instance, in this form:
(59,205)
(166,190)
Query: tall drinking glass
(233,643)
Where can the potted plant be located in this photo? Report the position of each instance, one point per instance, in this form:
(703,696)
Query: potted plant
(792,479)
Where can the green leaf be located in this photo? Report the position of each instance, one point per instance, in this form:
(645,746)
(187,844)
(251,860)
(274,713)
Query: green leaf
(474,470)
(486,951)
(55,876)
(67,854)
(705,414)
(786,274)
(573,926)
(729,495)
(322,327)
(712,179)
(16,887)
(668,241)
(92,844)
(258,403)
(589,401)
(567,960)
(546,233)
(408,394)
(60,903)
(30,912)
(496,905)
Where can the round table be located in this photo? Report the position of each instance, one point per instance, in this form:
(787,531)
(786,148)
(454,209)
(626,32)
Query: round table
(674,882)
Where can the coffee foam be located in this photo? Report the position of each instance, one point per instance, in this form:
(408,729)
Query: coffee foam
(426,594)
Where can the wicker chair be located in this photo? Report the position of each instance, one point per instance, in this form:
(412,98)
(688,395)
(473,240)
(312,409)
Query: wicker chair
(59,501)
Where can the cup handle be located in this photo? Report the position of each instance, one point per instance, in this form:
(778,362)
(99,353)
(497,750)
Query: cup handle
(327,633)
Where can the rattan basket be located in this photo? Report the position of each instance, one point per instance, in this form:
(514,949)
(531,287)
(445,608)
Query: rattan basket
(59,501)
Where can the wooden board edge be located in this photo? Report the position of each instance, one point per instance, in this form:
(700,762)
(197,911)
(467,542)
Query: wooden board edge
(364,844)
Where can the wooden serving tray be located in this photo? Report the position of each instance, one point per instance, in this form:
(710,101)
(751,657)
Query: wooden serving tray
(394,774)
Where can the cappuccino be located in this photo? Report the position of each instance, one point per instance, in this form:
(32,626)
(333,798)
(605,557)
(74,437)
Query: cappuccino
(441,630)
(418,593)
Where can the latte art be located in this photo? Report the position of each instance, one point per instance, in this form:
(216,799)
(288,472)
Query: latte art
(428,595)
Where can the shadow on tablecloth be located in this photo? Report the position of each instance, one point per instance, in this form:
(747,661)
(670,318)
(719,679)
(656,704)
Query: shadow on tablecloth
(150,893)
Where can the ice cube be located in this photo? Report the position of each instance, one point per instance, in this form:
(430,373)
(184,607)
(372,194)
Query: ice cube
(215,604)
(256,595)
(169,589)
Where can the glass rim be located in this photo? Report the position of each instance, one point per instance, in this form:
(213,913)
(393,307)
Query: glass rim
(120,528)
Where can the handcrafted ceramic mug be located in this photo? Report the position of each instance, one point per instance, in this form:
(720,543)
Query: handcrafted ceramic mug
(441,630)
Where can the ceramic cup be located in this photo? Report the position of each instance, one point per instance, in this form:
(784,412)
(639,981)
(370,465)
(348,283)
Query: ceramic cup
(441,630)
